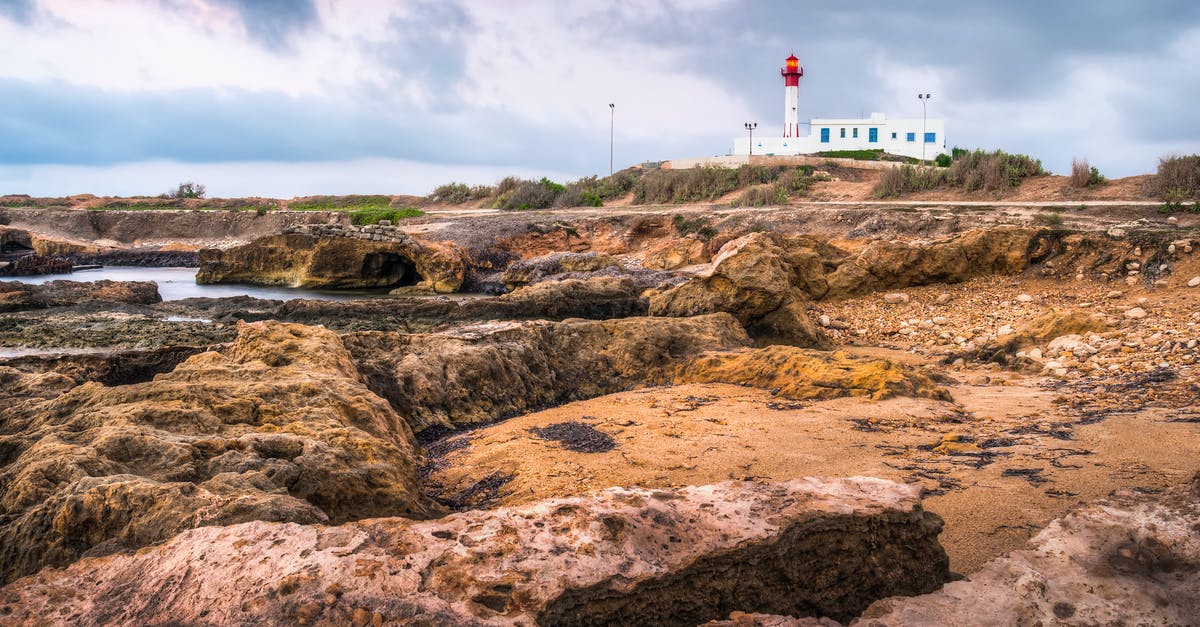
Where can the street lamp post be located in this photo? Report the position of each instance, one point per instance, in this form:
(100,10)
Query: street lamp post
(612,126)
(924,98)
(750,126)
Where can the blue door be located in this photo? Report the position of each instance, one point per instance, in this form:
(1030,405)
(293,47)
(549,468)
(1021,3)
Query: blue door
(824,136)
(873,135)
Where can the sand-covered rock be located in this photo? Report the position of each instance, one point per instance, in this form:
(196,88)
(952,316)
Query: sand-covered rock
(278,426)
(1134,559)
(18,296)
(484,372)
(803,374)
(308,261)
(823,547)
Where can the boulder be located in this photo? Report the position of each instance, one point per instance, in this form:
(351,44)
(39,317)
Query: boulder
(18,296)
(1046,327)
(673,253)
(308,261)
(754,279)
(816,547)
(1134,559)
(277,426)
(488,371)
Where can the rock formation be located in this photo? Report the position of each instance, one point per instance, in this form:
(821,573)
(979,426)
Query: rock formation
(595,298)
(528,271)
(885,265)
(620,556)
(1134,559)
(18,296)
(277,426)
(754,279)
(484,372)
(301,260)
(811,375)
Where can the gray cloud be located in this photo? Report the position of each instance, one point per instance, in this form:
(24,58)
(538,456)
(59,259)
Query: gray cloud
(20,11)
(87,126)
(427,47)
(272,22)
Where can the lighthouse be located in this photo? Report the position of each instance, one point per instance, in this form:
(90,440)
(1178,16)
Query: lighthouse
(791,72)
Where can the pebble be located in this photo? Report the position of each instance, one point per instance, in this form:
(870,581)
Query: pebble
(825,321)
(1135,313)
(1004,330)
(942,298)
(1113,294)
(895,298)
(1172,220)
(1035,353)
(1024,298)
(1194,281)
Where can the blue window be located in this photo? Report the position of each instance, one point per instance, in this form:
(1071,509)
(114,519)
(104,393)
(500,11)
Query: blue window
(856,132)
(893,136)
(873,135)
(824,136)
(930,138)
(843,129)
(912,137)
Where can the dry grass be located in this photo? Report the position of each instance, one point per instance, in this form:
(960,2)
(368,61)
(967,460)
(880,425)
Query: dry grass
(1083,175)
(1177,180)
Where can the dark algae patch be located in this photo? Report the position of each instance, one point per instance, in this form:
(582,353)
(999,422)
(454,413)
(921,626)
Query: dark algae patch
(576,436)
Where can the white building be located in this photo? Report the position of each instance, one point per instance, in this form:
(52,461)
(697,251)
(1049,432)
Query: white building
(917,138)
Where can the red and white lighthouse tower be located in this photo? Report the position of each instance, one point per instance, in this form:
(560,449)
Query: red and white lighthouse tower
(791,72)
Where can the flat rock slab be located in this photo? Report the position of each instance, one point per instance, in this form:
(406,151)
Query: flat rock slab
(1134,559)
(823,547)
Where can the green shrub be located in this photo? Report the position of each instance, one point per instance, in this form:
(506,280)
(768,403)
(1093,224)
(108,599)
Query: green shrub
(364,217)
(453,193)
(698,226)
(858,155)
(1177,180)
(943,160)
(340,203)
(711,183)
(762,196)
(187,190)
(906,179)
(1049,219)
(991,171)
(1084,175)
(521,195)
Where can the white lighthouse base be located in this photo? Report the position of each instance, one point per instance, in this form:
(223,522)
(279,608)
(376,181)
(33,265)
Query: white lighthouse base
(898,137)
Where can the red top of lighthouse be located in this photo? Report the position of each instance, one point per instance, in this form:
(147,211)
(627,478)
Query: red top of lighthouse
(791,71)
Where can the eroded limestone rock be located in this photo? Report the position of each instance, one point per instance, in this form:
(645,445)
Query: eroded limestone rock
(484,372)
(1134,559)
(278,426)
(301,260)
(812,375)
(620,556)
(18,296)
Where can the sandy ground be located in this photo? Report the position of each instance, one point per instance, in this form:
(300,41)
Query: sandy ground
(1019,472)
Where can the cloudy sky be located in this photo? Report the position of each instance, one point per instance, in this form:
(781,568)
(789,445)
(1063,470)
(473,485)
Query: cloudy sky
(294,97)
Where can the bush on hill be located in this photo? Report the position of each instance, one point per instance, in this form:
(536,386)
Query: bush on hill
(1177,180)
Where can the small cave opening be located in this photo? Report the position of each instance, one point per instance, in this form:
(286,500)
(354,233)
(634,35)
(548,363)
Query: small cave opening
(14,249)
(390,270)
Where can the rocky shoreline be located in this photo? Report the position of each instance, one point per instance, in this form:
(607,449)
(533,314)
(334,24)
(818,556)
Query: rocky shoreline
(622,435)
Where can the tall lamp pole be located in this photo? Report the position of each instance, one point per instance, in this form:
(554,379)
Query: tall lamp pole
(750,126)
(924,98)
(612,126)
